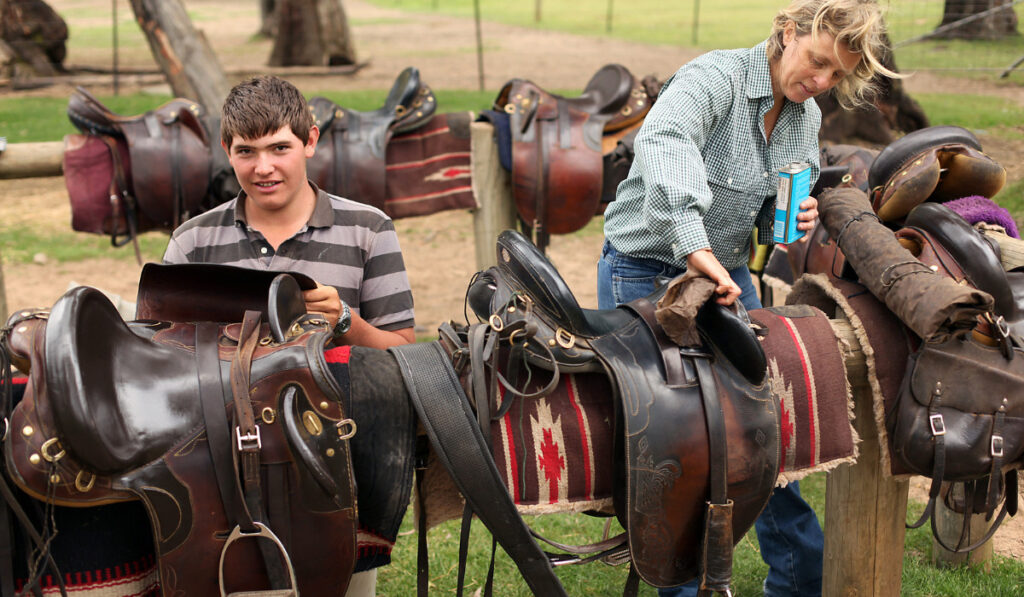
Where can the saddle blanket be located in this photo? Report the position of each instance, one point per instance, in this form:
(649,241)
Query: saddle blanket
(555,453)
(428,168)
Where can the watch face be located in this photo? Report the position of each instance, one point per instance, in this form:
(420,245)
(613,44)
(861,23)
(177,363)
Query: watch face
(344,321)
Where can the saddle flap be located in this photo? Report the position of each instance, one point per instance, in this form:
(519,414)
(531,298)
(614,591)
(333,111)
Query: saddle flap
(207,292)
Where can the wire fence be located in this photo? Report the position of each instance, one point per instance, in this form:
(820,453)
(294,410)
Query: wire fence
(957,35)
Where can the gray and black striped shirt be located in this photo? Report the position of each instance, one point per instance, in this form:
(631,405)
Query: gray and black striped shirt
(345,244)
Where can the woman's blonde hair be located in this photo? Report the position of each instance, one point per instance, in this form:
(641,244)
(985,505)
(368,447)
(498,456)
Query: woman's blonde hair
(856,23)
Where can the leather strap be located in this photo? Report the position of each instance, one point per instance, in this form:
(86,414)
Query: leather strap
(445,414)
(218,436)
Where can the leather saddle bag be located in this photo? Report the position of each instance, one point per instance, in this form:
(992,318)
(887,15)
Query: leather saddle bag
(98,187)
(957,417)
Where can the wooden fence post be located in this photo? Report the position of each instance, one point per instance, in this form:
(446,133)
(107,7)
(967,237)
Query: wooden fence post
(493,192)
(865,510)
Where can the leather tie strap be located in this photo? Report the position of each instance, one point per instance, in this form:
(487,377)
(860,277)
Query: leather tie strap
(445,414)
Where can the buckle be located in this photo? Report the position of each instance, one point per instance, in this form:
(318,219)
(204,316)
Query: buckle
(248,437)
(997,446)
(938,424)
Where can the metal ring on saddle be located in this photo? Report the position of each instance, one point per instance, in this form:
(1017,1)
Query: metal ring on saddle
(84,487)
(45,450)
(496,322)
(351,424)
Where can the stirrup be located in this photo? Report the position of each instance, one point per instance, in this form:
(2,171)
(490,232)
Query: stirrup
(266,533)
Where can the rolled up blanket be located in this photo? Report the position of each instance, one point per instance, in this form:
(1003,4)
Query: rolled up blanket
(930,304)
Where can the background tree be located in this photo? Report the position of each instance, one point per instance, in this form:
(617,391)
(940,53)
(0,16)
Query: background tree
(311,33)
(34,34)
(1001,22)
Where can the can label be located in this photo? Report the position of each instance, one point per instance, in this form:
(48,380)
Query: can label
(794,188)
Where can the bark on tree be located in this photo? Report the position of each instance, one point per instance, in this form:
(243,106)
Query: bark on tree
(312,33)
(34,34)
(1001,23)
(268,18)
(182,52)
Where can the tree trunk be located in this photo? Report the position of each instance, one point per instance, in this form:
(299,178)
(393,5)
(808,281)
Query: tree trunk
(34,34)
(183,53)
(312,33)
(1001,23)
(268,18)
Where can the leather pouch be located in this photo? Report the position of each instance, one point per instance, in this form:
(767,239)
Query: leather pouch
(958,414)
(98,185)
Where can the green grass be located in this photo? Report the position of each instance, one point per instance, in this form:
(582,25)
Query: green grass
(732,24)
(20,245)
(920,578)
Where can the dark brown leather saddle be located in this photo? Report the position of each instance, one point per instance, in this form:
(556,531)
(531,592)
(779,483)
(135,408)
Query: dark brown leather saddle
(162,163)
(684,415)
(233,435)
(557,145)
(350,155)
(937,164)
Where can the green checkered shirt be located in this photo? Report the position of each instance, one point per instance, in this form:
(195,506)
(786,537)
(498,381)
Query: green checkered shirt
(703,175)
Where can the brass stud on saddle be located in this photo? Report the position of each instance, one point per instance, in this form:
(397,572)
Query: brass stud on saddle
(324,405)
(329,452)
(27,430)
(510,108)
(55,479)
(312,423)
(626,110)
(35,458)
(505,256)
(400,111)
(23,329)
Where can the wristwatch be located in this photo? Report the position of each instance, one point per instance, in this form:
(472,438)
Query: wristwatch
(344,321)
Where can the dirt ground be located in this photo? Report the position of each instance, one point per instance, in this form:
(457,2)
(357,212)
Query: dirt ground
(439,249)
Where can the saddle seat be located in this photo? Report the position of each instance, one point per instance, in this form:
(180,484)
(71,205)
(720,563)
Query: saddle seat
(974,255)
(351,152)
(531,273)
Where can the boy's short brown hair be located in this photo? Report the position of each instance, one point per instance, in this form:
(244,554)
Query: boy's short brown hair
(261,106)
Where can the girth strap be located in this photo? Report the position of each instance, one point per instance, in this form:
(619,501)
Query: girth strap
(445,414)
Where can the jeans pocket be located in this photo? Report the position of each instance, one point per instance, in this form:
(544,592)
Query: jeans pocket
(632,279)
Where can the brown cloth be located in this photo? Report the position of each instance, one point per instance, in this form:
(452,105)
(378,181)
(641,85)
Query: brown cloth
(677,309)
(930,304)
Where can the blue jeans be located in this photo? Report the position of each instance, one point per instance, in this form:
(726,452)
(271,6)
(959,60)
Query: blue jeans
(788,531)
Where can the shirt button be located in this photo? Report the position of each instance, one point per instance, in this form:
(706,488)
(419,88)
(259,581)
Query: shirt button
(263,250)
(765,175)
(753,213)
(730,181)
(735,250)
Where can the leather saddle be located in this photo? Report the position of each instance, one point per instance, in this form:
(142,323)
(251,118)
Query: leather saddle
(162,156)
(350,155)
(233,436)
(937,164)
(557,145)
(685,413)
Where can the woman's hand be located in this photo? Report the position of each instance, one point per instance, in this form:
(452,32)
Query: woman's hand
(705,262)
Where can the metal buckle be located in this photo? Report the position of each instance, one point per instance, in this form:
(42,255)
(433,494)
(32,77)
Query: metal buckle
(565,338)
(938,424)
(997,446)
(248,437)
